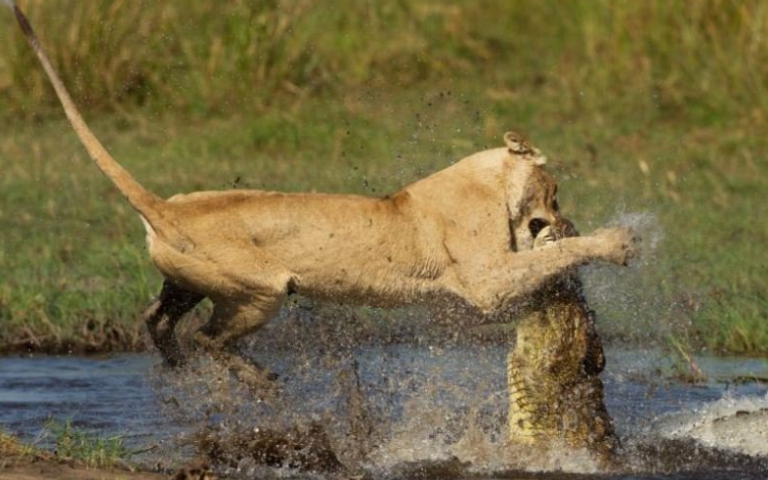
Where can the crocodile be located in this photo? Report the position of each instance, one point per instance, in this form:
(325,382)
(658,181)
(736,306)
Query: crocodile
(555,392)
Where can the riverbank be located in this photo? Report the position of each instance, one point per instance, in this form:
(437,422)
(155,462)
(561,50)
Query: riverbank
(37,469)
(19,461)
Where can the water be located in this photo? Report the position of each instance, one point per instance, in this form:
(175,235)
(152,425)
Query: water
(426,403)
(110,395)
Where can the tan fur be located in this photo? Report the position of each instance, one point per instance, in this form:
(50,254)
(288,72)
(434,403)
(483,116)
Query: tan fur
(462,235)
(445,237)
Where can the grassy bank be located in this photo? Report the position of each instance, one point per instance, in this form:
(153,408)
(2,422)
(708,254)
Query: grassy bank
(653,107)
(77,455)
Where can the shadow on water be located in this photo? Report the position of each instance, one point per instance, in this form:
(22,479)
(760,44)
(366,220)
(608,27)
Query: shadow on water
(389,410)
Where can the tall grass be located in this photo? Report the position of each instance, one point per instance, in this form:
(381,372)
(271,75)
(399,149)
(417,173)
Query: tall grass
(116,53)
(694,57)
(704,55)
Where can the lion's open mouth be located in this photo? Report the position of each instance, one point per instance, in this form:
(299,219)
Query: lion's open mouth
(536,226)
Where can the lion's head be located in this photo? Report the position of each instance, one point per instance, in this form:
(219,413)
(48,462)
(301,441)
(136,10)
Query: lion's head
(532,193)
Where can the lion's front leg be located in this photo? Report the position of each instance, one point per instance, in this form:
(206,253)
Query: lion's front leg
(518,274)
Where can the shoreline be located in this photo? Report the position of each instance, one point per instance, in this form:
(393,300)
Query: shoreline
(109,338)
(21,461)
(115,339)
(40,469)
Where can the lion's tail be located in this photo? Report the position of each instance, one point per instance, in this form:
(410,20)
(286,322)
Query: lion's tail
(146,203)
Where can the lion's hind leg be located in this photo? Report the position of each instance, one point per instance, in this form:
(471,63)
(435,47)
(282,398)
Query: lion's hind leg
(232,320)
(246,287)
(162,316)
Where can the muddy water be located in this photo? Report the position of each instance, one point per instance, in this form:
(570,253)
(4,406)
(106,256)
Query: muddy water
(420,404)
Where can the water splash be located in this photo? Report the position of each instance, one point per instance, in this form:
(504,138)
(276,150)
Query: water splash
(647,225)
(738,425)
(392,410)
(634,304)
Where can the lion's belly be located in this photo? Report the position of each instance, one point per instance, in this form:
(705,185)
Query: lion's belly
(374,270)
(375,290)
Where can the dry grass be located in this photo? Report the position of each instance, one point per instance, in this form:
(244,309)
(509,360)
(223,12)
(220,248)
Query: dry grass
(12,448)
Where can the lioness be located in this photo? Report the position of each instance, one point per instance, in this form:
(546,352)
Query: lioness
(463,234)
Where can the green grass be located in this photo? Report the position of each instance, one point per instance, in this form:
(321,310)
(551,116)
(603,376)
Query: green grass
(69,444)
(91,450)
(654,107)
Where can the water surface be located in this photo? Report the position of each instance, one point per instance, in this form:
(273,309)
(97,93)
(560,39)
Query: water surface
(429,404)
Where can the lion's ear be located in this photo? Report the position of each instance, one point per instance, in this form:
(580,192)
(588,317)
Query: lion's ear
(518,145)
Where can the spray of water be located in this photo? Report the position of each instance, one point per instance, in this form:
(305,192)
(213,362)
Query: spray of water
(632,303)
(10,3)
(647,225)
(733,424)
(376,406)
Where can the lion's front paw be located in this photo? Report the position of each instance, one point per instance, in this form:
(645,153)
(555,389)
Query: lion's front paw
(618,245)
